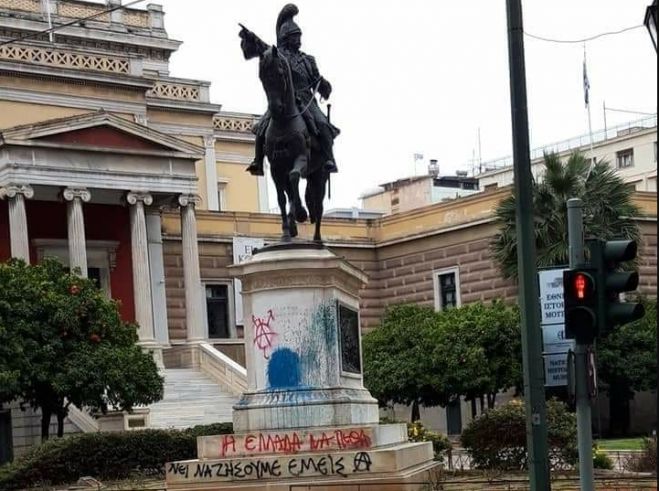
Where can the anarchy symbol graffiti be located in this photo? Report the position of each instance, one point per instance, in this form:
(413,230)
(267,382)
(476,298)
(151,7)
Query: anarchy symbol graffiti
(263,332)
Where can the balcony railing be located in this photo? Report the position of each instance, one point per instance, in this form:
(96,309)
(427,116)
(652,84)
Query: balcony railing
(582,142)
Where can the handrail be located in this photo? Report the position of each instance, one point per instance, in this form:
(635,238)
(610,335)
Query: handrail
(83,420)
(229,374)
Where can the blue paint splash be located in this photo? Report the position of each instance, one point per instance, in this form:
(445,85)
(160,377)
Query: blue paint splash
(284,369)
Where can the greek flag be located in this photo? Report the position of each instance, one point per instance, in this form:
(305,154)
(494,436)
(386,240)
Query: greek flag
(586,82)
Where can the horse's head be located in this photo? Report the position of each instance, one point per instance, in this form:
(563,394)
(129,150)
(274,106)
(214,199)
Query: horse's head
(275,75)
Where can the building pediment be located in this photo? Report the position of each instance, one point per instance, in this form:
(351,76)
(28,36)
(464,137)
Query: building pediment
(100,132)
(98,151)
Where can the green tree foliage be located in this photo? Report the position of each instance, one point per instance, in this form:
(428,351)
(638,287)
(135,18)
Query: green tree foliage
(397,364)
(68,345)
(477,351)
(608,211)
(497,439)
(627,362)
(421,357)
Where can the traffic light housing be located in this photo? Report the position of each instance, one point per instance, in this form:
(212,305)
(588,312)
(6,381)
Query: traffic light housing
(581,304)
(606,257)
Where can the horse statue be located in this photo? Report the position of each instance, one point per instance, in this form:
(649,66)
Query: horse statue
(292,152)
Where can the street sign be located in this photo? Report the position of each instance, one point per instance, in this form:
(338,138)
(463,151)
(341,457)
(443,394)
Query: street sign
(552,321)
(243,247)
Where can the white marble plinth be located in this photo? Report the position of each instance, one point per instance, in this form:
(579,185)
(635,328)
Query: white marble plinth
(302,341)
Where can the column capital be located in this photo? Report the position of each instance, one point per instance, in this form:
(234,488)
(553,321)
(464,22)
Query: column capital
(209,141)
(13,190)
(135,197)
(189,199)
(70,194)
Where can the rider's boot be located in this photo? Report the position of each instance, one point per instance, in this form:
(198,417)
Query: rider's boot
(256,167)
(328,142)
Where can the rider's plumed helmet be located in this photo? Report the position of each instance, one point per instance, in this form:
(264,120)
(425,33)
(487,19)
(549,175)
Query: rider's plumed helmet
(286,26)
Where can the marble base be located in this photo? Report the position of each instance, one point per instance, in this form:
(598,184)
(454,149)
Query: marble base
(285,409)
(350,456)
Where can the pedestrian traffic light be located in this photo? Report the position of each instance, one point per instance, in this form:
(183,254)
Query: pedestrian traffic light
(607,257)
(580,300)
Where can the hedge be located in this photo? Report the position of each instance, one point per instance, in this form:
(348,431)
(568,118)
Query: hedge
(497,439)
(106,456)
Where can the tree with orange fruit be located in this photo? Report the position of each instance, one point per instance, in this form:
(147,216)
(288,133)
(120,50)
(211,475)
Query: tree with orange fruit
(63,342)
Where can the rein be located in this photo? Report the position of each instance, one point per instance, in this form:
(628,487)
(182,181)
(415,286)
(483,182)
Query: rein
(306,108)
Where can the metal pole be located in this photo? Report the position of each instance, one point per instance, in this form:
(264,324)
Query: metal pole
(534,390)
(584,423)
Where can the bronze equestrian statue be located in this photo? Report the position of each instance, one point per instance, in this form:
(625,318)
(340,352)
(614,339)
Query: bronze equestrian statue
(294,133)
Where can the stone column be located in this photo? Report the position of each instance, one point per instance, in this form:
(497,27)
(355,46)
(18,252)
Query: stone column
(19,241)
(210,162)
(141,273)
(157,266)
(76,228)
(192,276)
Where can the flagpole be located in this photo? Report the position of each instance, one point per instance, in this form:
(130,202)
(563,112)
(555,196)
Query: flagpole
(586,83)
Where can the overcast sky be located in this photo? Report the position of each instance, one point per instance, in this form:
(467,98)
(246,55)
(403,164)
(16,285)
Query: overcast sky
(422,76)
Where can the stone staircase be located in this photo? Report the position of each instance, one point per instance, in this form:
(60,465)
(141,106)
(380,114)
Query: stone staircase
(191,398)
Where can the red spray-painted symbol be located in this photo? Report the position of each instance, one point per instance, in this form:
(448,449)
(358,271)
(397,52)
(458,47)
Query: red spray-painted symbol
(263,333)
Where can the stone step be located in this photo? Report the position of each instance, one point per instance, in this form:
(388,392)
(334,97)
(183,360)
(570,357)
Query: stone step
(191,398)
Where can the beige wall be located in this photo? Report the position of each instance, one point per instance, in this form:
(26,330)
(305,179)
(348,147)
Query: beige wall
(241,189)
(400,254)
(18,113)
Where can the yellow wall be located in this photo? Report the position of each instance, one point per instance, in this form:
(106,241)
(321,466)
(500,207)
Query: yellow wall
(18,113)
(241,189)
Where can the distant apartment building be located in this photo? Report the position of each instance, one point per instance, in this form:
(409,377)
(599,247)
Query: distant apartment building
(631,149)
(417,191)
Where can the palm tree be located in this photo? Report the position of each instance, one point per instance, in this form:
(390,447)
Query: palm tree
(608,208)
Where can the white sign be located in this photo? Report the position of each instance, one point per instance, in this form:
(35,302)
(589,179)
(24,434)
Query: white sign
(551,296)
(555,370)
(552,310)
(243,247)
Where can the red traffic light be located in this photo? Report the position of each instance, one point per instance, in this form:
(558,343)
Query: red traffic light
(582,286)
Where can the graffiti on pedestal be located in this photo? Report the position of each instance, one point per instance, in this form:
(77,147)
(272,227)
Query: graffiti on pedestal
(263,332)
(271,467)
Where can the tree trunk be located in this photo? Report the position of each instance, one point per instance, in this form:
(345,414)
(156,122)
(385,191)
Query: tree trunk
(482,401)
(61,415)
(491,400)
(45,423)
(619,396)
(474,410)
(416,413)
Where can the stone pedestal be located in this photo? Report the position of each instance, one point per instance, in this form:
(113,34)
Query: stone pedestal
(306,416)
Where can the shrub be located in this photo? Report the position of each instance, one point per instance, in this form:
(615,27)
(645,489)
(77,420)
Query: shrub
(646,461)
(497,439)
(416,432)
(106,456)
(600,459)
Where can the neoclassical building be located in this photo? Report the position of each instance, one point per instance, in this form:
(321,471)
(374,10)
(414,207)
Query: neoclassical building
(136,178)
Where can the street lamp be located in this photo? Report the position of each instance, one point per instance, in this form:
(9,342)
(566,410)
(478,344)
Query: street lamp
(651,22)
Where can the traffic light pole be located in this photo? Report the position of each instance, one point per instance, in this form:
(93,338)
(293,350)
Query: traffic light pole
(534,384)
(584,424)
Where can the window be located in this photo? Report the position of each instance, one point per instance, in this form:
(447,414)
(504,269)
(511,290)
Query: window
(625,158)
(447,289)
(217,312)
(221,196)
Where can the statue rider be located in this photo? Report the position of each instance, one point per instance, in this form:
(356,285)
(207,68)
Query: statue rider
(306,80)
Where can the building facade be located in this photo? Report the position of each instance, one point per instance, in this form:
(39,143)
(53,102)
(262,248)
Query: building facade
(630,149)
